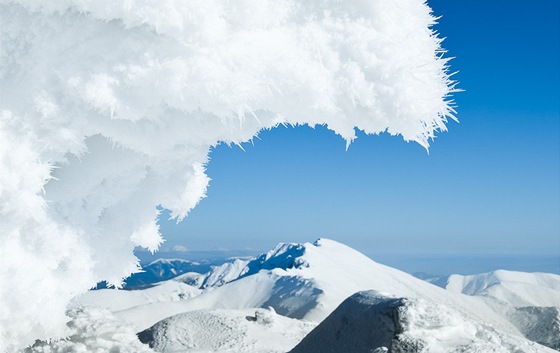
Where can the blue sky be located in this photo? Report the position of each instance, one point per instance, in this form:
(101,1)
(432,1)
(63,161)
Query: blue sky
(489,187)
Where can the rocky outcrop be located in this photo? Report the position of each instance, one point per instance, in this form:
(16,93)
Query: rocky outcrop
(365,322)
(539,324)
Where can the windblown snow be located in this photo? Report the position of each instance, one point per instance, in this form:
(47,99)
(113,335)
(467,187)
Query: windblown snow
(109,109)
(283,295)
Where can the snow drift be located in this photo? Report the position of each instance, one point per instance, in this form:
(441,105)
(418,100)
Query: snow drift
(109,109)
(226,331)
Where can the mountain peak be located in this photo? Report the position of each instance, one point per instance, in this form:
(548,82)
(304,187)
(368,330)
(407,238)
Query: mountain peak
(284,256)
(309,280)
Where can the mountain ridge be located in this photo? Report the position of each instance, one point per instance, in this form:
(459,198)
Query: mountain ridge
(309,281)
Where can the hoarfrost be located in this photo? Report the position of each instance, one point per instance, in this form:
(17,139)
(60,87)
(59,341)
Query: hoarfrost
(109,109)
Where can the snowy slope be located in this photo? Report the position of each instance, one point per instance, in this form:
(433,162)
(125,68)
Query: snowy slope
(308,281)
(247,331)
(370,322)
(531,301)
(515,288)
(311,280)
(116,300)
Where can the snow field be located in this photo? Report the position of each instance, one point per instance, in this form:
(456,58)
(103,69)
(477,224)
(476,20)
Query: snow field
(309,281)
(219,330)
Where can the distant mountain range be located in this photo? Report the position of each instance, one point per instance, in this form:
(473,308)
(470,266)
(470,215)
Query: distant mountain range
(272,301)
(165,269)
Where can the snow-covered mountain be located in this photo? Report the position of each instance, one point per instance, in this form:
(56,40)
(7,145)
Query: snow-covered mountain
(165,269)
(531,301)
(440,281)
(303,281)
(512,287)
(306,283)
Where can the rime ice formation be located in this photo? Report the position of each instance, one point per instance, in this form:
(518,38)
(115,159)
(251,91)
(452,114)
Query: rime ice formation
(109,108)
(93,330)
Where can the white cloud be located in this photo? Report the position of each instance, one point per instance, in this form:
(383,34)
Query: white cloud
(179,248)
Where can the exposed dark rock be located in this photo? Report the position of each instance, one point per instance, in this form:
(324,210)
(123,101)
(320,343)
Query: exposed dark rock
(366,322)
(539,324)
